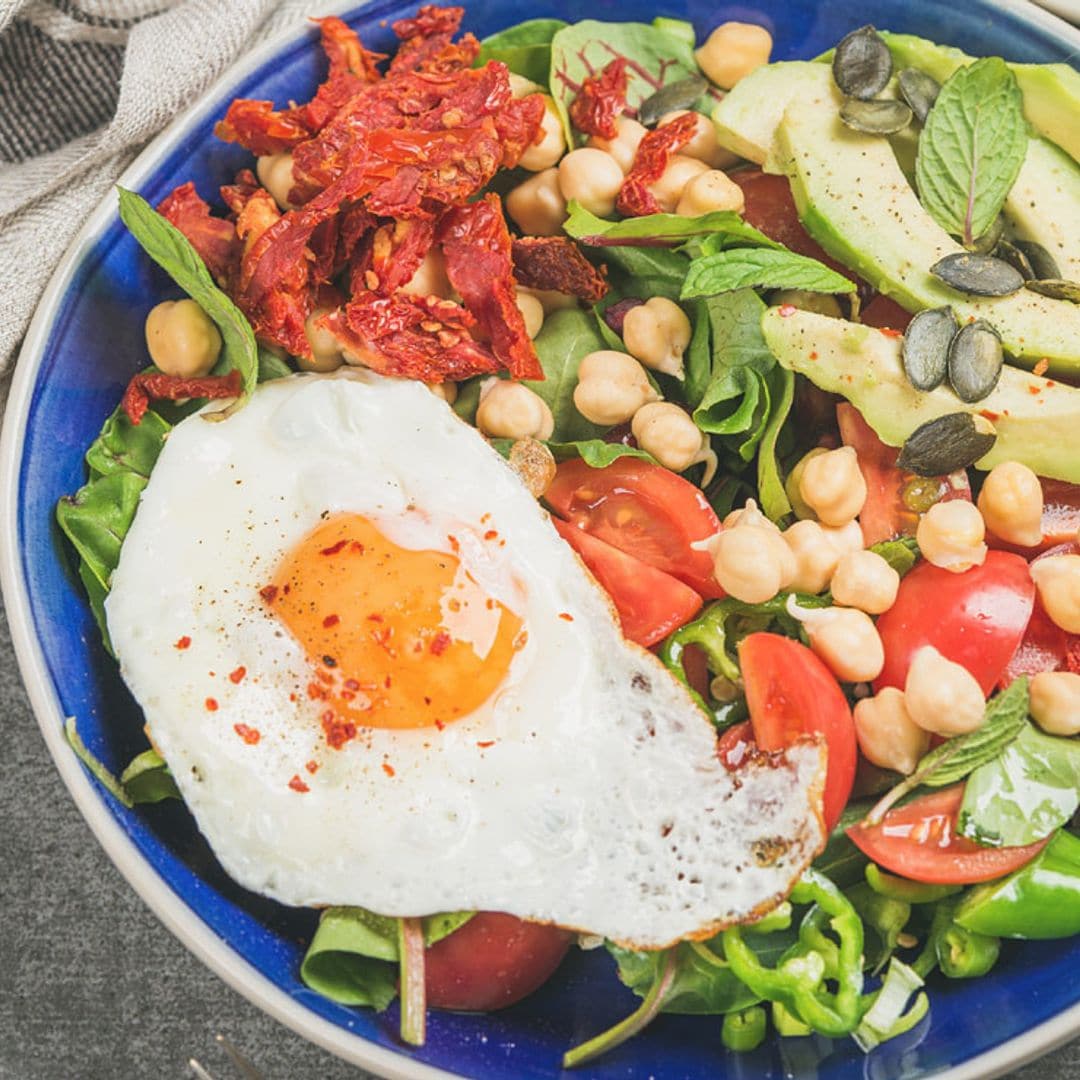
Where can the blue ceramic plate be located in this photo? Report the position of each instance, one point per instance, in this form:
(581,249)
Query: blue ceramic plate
(87,339)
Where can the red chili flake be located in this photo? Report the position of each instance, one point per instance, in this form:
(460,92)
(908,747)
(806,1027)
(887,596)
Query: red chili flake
(375,618)
(237,676)
(484,745)
(387,682)
(813,355)
(357,547)
(298,785)
(601,101)
(566,616)
(652,157)
(787,310)
(440,725)
(337,732)
(250,735)
(148,386)
(183,643)
(293,697)
(1042,367)
(312,767)
(382,638)
(491,534)
(269,593)
(1034,389)
(990,415)
(439,643)
(211,704)
(330,620)
(388,768)
(334,548)
(454,545)
(351,684)
(888,331)
(1049,383)
(316,692)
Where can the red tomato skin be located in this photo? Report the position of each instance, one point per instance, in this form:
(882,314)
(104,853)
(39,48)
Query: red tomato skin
(492,962)
(884,515)
(650,603)
(884,313)
(734,744)
(790,692)
(919,842)
(976,619)
(1060,519)
(644,510)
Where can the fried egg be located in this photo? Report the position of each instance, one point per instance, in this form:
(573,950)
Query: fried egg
(380,678)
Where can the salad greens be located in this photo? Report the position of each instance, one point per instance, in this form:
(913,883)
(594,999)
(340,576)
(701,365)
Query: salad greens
(761,268)
(524,48)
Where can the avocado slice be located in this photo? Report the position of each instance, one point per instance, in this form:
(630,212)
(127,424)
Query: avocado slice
(854,200)
(1036,419)
(1051,91)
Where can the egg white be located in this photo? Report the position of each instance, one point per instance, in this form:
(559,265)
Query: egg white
(600,803)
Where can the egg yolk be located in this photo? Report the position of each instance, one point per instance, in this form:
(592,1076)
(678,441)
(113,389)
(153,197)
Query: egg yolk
(397,638)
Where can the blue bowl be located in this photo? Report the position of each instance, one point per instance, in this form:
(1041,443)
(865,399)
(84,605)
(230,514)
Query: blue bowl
(85,343)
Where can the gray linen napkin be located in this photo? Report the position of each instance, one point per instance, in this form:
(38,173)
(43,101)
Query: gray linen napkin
(83,85)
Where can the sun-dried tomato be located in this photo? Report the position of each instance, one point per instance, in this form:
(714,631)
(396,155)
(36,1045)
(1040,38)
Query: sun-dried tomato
(213,238)
(150,386)
(397,250)
(477,247)
(351,68)
(259,127)
(427,45)
(556,262)
(416,337)
(518,126)
(650,161)
(601,100)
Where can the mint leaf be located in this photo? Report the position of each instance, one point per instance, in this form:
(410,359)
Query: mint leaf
(760,268)
(1025,794)
(971,148)
(659,230)
(525,48)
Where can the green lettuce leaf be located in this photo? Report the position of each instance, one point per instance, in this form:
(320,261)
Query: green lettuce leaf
(148,780)
(596,452)
(773,497)
(525,48)
(760,268)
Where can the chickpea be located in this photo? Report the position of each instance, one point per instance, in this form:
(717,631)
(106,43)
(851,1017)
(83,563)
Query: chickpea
(887,735)
(593,178)
(671,436)
(845,538)
(1011,503)
(1055,702)
(430,278)
(815,555)
(950,535)
(624,146)
(844,638)
(832,485)
(704,145)
(446,390)
(537,206)
(611,387)
(816,302)
(749,515)
(732,51)
(709,191)
(942,697)
(794,479)
(546,153)
(521,87)
(275,173)
(510,410)
(668,190)
(657,333)
(550,299)
(1058,581)
(532,311)
(325,350)
(752,563)
(864,580)
(182,339)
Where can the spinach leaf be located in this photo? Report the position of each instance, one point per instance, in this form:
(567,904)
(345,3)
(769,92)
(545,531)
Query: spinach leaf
(567,337)
(651,271)
(971,148)
(774,501)
(525,48)
(1025,794)
(901,555)
(655,57)
(661,230)
(126,447)
(172,251)
(596,452)
(148,780)
(353,956)
(271,366)
(760,268)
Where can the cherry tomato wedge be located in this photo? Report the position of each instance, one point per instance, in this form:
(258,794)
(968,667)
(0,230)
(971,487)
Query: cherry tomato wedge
(650,603)
(1060,519)
(790,692)
(493,961)
(643,509)
(734,744)
(976,619)
(885,314)
(886,513)
(919,841)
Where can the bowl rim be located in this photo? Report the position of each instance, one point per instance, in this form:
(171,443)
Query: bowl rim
(90,799)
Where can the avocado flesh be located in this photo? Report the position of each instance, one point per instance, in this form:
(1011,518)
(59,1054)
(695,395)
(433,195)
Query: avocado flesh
(1036,419)
(1051,91)
(856,203)
(1044,204)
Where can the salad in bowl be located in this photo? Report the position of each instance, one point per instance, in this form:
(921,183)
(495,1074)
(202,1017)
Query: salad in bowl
(598,489)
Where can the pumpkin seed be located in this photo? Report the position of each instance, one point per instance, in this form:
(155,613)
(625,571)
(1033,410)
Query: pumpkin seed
(920,91)
(876,117)
(1044,266)
(975,361)
(1015,256)
(979,275)
(670,98)
(950,442)
(985,244)
(862,64)
(926,347)
(1057,289)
